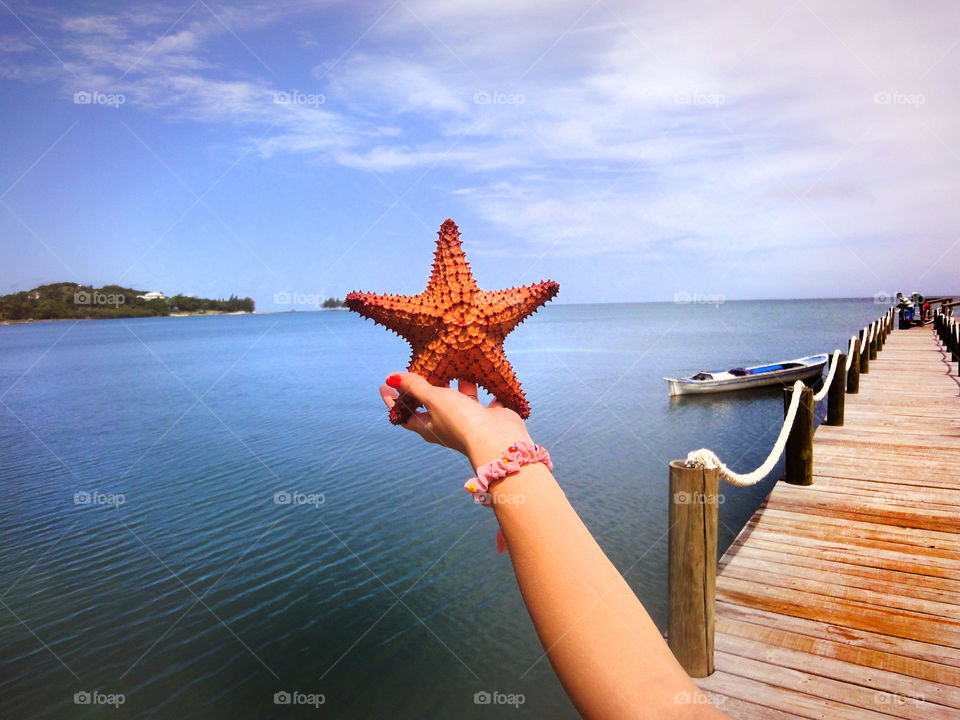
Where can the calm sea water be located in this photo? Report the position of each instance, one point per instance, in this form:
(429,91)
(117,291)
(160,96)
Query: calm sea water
(143,550)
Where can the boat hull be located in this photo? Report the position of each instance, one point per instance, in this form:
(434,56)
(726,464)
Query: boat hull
(778,377)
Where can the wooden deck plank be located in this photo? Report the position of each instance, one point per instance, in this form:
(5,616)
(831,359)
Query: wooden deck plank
(865,699)
(937,654)
(909,670)
(877,593)
(842,599)
(849,575)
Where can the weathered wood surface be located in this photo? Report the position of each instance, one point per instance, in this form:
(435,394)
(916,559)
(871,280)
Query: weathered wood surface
(693,566)
(842,599)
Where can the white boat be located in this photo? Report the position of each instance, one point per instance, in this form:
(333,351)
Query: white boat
(781,373)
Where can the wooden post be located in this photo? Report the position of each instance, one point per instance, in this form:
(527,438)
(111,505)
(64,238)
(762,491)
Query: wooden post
(835,395)
(955,345)
(799,450)
(864,352)
(853,374)
(692,576)
(873,343)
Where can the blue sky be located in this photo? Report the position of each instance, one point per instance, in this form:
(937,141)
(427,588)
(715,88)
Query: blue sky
(628,150)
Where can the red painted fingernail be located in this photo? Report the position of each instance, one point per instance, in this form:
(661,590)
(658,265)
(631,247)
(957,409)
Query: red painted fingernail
(394,380)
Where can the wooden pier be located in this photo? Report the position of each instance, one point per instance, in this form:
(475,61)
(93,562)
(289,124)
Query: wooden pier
(841,599)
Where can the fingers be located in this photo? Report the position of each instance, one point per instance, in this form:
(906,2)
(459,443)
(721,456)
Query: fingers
(413,384)
(417,422)
(467,388)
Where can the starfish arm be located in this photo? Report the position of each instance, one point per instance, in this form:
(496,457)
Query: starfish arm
(401,313)
(451,272)
(488,367)
(503,308)
(500,380)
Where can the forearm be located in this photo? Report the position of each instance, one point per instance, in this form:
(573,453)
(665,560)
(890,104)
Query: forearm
(605,649)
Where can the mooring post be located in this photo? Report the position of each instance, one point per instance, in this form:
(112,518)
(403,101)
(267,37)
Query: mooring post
(956,344)
(873,341)
(836,392)
(853,374)
(864,352)
(799,450)
(692,559)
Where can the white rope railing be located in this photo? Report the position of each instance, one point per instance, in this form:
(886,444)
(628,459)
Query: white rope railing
(708,459)
(853,344)
(834,361)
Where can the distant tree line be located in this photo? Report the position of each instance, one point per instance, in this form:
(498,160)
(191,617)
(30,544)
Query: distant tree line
(334,303)
(70,300)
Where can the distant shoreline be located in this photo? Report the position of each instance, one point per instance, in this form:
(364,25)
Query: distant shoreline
(208,313)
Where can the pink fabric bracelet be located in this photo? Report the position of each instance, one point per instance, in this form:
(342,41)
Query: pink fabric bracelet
(515,457)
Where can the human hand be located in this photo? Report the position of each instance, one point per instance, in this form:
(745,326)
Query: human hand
(455,419)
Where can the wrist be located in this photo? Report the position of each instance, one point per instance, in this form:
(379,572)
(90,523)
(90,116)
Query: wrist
(487,450)
(511,491)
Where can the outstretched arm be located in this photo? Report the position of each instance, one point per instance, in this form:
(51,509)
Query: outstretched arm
(607,652)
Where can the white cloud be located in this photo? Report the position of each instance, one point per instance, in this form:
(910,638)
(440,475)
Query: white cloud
(580,129)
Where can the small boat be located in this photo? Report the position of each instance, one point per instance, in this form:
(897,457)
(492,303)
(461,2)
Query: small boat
(781,373)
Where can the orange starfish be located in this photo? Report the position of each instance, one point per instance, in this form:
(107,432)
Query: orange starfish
(456,330)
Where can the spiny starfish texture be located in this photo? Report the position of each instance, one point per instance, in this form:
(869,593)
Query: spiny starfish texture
(456,330)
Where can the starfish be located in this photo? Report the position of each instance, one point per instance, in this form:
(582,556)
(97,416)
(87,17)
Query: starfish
(455,329)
